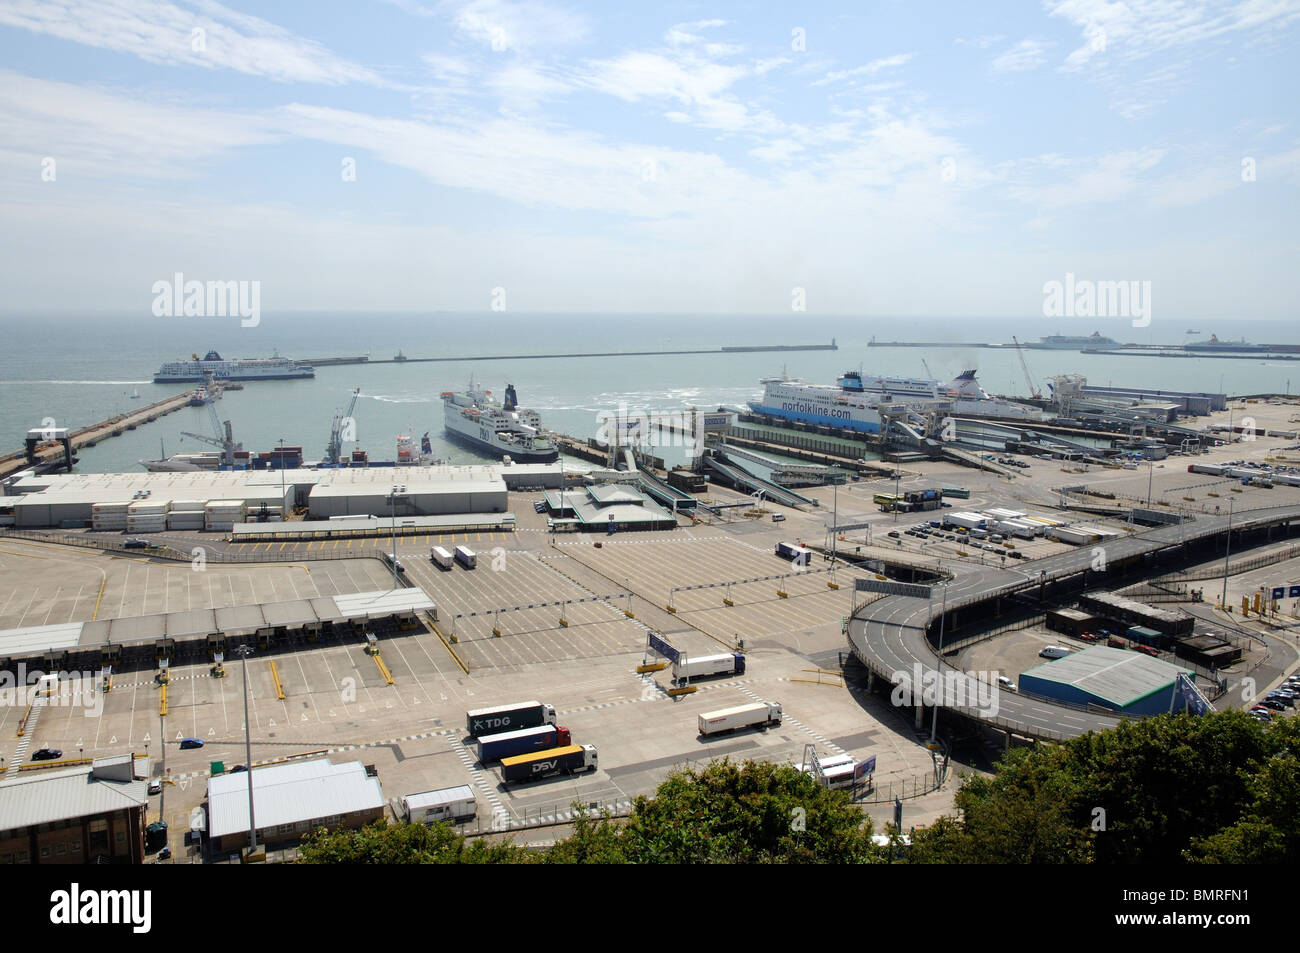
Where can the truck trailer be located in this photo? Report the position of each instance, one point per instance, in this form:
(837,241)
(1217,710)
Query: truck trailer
(466,557)
(440,557)
(493,721)
(794,552)
(702,666)
(507,744)
(541,764)
(446,804)
(758,715)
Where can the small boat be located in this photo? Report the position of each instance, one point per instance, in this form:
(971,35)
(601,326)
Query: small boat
(135,394)
(401,357)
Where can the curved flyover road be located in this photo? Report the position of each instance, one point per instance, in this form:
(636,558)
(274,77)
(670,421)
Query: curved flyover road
(888,635)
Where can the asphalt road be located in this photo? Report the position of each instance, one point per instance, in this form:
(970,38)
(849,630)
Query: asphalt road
(888,635)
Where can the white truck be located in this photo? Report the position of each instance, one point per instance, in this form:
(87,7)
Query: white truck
(446,804)
(757,715)
(702,666)
(440,557)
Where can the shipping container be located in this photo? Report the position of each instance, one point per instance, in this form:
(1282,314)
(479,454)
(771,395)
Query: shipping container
(540,764)
(956,492)
(440,557)
(507,744)
(757,715)
(964,520)
(446,804)
(490,721)
(702,666)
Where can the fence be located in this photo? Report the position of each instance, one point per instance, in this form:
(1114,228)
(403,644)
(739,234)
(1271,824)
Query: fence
(1235,566)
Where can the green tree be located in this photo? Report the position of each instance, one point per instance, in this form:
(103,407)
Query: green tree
(1145,792)
(728,813)
(399,843)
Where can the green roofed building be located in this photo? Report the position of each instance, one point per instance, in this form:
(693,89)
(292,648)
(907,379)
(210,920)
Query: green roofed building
(1128,683)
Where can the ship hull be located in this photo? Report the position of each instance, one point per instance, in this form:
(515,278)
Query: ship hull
(496,450)
(863,424)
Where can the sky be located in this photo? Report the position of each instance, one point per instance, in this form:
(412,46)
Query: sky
(894,158)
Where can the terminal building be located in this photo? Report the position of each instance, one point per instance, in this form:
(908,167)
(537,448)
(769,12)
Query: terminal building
(605,508)
(1127,683)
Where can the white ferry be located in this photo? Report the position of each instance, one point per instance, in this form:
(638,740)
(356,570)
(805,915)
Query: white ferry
(473,417)
(848,405)
(240,369)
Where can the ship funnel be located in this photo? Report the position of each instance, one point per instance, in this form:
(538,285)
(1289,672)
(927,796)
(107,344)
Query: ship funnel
(511,400)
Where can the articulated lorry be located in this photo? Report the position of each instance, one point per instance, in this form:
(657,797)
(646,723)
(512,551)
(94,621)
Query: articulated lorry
(702,666)
(507,744)
(541,764)
(512,717)
(758,715)
(440,557)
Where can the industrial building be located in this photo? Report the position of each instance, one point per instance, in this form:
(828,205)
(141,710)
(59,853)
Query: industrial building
(1209,651)
(1070,621)
(1130,613)
(110,500)
(1128,683)
(291,800)
(89,813)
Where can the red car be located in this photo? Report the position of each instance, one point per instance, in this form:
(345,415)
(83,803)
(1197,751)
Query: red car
(1147,650)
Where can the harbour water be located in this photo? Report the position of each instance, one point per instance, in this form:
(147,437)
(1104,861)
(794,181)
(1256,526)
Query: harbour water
(75,368)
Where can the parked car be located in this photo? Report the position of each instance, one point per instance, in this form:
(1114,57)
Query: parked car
(47,754)
(1147,650)
(155,786)
(778,517)
(237,769)
(136,544)
(191,743)
(1274,704)
(1115,643)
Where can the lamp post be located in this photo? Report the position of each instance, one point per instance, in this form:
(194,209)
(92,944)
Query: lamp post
(1151,472)
(392,500)
(1223,599)
(244,652)
(943,613)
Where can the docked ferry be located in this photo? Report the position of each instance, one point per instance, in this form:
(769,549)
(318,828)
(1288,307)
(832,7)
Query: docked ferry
(473,417)
(240,369)
(848,404)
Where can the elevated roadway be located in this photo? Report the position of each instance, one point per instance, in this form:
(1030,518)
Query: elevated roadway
(889,635)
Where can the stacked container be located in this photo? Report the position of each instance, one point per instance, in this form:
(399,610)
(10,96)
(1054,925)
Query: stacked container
(109,516)
(186,515)
(146,517)
(222,515)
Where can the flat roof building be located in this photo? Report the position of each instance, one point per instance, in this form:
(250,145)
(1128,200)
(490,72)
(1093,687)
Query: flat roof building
(291,800)
(1128,683)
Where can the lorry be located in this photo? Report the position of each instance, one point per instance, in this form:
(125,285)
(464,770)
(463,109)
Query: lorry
(757,715)
(541,764)
(466,557)
(701,666)
(446,804)
(794,552)
(507,744)
(440,557)
(512,717)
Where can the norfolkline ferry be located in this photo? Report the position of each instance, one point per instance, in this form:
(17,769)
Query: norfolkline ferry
(241,369)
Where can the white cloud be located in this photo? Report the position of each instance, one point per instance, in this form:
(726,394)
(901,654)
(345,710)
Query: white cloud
(875,66)
(1026,55)
(502,25)
(163,33)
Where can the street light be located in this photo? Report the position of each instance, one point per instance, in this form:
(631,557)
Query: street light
(1223,599)
(392,500)
(244,651)
(943,613)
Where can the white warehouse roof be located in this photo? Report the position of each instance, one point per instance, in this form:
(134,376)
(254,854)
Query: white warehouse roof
(289,793)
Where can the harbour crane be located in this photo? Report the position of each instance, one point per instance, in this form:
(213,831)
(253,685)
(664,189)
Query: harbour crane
(335,449)
(1029,378)
(928,373)
(224,438)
